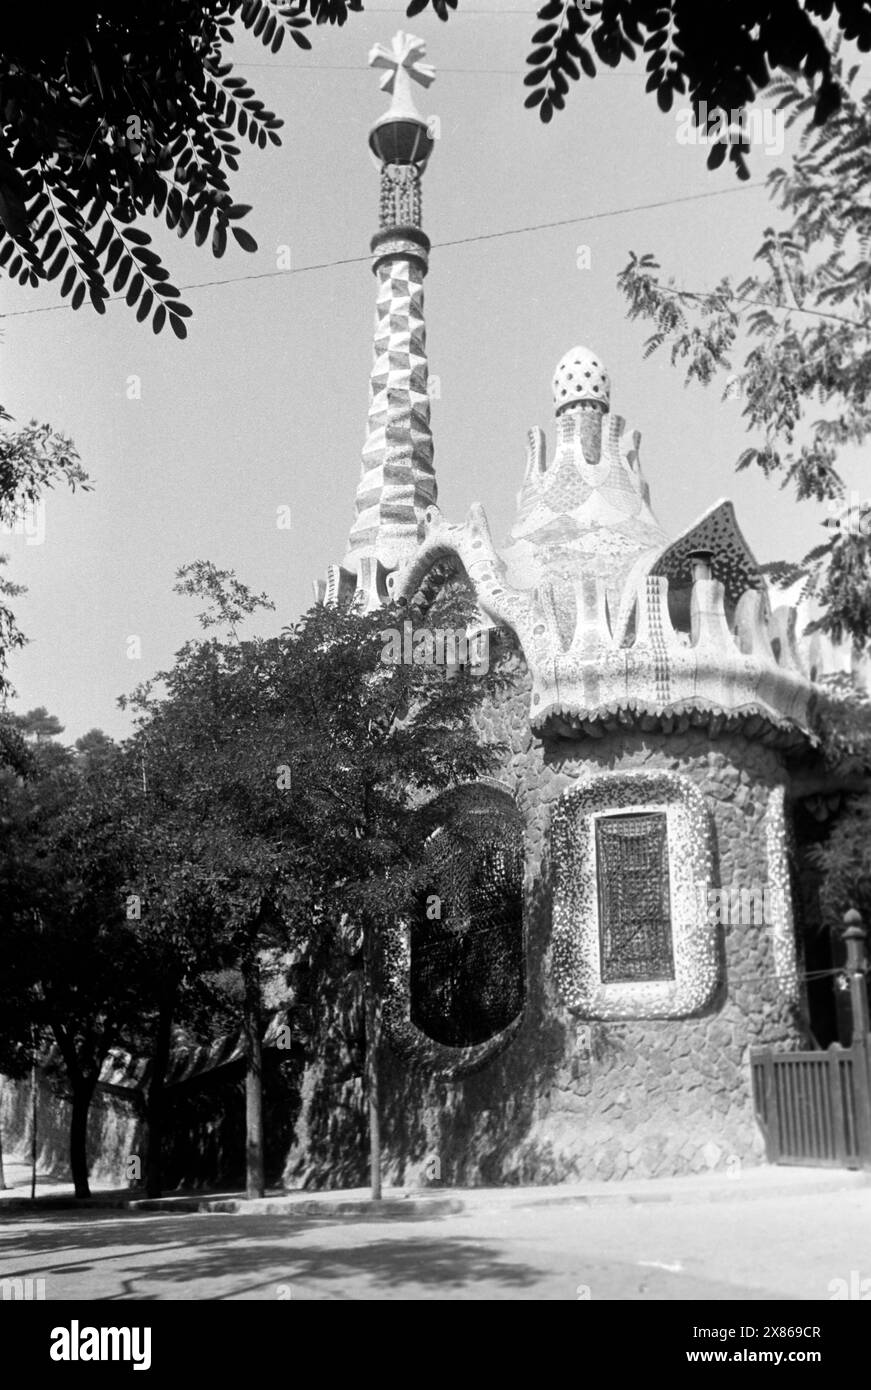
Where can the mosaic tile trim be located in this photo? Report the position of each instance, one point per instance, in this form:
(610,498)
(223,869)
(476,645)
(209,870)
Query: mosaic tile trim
(660,671)
(406,1038)
(401,1032)
(586,556)
(576,912)
(783,926)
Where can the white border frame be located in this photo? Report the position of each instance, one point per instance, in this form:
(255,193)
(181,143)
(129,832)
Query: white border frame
(577,961)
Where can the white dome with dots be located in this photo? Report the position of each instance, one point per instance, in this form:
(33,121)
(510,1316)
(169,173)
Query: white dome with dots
(580,376)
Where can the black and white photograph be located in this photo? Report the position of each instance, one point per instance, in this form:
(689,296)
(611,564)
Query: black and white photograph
(435,659)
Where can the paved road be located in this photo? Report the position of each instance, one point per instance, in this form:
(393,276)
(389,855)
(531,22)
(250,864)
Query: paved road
(787,1247)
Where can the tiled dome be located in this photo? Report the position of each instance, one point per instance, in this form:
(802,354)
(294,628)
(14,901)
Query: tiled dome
(580,376)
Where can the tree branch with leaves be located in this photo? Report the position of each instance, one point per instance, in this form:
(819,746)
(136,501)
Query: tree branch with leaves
(803,324)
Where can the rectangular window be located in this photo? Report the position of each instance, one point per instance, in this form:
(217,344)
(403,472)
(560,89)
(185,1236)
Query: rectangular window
(635,941)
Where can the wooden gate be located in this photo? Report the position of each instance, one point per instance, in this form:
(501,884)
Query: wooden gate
(814,1108)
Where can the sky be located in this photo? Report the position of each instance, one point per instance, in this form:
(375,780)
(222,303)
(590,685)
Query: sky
(263,407)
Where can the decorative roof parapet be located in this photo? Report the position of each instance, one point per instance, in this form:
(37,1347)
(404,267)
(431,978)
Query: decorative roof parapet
(660,671)
(589,509)
(614,619)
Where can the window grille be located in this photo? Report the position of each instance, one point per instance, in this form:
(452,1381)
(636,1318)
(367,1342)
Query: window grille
(635,937)
(467,966)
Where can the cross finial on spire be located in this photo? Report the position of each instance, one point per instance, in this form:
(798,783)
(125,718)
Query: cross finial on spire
(404,63)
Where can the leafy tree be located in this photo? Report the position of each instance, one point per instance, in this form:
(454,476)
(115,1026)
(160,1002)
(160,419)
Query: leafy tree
(845,861)
(205,896)
(114,111)
(722,60)
(807,314)
(367,743)
(38,724)
(32,460)
(290,769)
(94,747)
(14,754)
(74,971)
(227,600)
(14,1014)
(204,871)
(11,636)
(183,880)
(843,856)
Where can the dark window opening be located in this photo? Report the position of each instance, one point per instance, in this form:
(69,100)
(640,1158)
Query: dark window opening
(467,967)
(635,937)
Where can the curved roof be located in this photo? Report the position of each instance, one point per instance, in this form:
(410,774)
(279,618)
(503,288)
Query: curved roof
(733,562)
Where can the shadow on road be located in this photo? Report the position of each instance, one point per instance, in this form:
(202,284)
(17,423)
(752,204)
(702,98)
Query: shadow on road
(249,1254)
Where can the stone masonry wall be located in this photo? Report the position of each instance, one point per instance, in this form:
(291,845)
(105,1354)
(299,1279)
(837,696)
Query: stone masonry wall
(639,1098)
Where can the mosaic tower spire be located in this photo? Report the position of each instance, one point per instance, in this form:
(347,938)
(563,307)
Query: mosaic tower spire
(397,481)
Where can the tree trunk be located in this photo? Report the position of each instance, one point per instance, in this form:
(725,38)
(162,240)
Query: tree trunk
(254,1179)
(373,1029)
(3,1183)
(83,1091)
(83,1082)
(154,1103)
(34,1125)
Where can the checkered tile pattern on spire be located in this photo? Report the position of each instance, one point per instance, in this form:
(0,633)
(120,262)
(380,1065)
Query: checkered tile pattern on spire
(398,481)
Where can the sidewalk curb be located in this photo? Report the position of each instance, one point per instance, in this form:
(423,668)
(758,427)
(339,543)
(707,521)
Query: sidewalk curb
(62,1202)
(732,1191)
(391,1208)
(436,1202)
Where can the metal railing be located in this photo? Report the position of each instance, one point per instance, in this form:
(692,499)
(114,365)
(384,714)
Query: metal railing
(815,1107)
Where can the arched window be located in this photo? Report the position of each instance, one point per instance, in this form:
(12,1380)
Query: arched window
(466,976)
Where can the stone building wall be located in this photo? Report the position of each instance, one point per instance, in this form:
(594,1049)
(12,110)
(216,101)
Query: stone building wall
(204,1127)
(572,1098)
(114,1131)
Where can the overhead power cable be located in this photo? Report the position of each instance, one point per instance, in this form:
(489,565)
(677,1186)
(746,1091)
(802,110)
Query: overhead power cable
(437,245)
(364,67)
